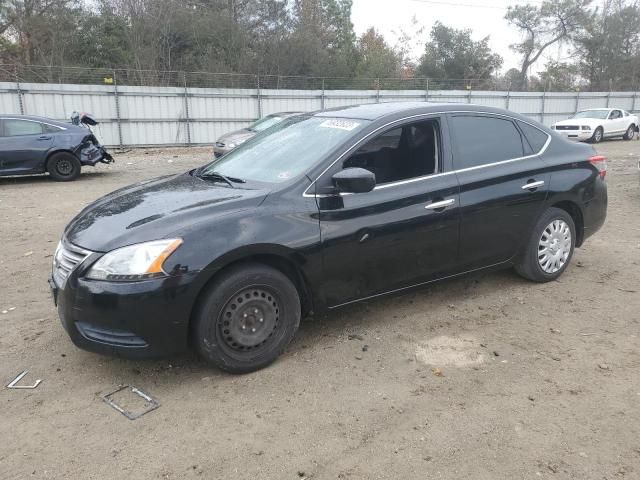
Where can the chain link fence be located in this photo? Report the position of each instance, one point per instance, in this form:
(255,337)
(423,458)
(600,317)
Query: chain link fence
(153,78)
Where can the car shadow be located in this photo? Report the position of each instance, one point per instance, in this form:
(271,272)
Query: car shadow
(43,178)
(187,368)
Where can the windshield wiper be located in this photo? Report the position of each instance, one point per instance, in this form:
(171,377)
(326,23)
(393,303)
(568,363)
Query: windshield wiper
(219,176)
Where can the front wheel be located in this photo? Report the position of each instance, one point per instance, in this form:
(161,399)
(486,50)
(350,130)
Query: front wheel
(597,135)
(550,248)
(631,131)
(246,318)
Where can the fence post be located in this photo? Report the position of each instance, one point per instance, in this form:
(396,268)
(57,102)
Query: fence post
(19,90)
(508,97)
(577,102)
(186,108)
(259,96)
(544,97)
(609,96)
(426,95)
(322,96)
(117,100)
(635,98)
(469,95)
(378,93)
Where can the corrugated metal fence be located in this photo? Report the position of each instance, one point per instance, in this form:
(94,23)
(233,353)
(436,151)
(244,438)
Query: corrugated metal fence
(148,116)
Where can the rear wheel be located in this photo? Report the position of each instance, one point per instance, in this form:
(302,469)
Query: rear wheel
(63,167)
(597,135)
(631,131)
(550,247)
(246,318)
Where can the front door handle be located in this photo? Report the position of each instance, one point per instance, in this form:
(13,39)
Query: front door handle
(532,185)
(440,204)
(44,137)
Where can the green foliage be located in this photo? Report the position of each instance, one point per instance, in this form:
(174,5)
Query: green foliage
(453,54)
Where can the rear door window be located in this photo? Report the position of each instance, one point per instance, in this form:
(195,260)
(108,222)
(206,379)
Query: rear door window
(481,140)
(17,128)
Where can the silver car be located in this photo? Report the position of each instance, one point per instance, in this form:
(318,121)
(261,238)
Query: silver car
(231,140)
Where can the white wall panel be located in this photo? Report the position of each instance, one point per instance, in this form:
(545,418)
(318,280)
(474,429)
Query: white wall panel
(160,116)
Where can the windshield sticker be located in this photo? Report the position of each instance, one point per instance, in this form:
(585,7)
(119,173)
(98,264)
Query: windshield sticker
(340,124)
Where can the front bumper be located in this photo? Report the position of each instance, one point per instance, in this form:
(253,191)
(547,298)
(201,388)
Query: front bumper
(577,135)
(220,151)
(136,319)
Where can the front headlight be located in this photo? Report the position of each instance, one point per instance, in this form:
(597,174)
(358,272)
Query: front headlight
(135,262)
(585,127)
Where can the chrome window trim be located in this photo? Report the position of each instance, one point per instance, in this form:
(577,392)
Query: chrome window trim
(418,179)
(34,121)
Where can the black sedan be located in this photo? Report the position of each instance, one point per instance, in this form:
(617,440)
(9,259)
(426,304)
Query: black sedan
(32,145)
(321,211)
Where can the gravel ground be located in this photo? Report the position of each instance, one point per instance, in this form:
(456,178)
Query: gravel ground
(482,377)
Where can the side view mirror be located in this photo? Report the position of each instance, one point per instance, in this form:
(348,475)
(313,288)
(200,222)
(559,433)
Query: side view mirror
(354,180)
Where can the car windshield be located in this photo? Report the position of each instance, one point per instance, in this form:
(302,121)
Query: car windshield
(286,150)
(264,123)
(602,114)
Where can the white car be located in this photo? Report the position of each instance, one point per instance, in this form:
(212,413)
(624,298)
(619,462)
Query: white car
(597,123)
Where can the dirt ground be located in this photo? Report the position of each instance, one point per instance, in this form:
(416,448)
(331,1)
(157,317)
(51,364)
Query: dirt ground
(483,377)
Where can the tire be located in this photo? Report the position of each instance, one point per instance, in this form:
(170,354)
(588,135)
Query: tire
(597,136)
(63,167)
(544,264)
(631,131)
(246,318)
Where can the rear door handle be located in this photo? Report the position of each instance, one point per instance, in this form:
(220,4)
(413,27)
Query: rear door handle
(440,204)
(532,185)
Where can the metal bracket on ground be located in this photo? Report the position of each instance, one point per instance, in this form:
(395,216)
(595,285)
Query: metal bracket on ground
(151,402)
(13,384)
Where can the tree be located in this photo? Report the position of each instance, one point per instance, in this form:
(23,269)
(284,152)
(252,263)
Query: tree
(608,47)
(453,54)
(543,26)
(375,57)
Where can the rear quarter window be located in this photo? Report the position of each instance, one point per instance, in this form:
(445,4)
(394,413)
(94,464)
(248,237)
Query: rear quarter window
(536,138)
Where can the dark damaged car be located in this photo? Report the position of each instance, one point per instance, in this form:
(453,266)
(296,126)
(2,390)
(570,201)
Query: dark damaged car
(34,145)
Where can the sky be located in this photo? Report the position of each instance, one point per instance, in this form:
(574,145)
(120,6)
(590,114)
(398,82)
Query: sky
(483,17)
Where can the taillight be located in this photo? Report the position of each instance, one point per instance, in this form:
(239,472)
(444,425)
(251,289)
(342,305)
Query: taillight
(600,162)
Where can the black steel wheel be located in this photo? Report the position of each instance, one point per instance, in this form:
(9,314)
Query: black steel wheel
(63,167)
(246,318)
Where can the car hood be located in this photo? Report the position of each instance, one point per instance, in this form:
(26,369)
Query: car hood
(581,121)
(155,209)
(236,136)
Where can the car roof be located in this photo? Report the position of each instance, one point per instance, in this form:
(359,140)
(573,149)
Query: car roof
(37,119)
(377,111)
(284,114)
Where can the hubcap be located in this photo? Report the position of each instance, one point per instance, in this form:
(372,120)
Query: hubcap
(249,319)
(598,135)
(64,167)
(554,246)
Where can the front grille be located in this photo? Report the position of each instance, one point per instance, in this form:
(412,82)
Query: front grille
(567,127)
(66,259)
